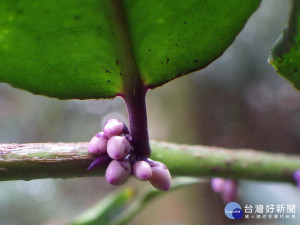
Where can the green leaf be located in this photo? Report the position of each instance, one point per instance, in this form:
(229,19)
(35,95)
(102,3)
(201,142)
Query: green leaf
(107,209)
(69,49)
(121,206)
(175,37)
(146,196)
(286,50)
(58,48)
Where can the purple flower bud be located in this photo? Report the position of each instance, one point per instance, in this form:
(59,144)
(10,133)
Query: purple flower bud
(100,160)
(97,145)
(118,147)
(142,170)
(114,127)
(118,172)
(297,177)
(161,178)
(217,184)
(229,192)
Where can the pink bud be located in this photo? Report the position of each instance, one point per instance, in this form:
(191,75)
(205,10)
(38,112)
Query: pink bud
(118,172)
(118,147)
(142,170)
(97,145)
(297,178)
(217,184)
(161,178)
(297,175)
(114,127)
(229,192)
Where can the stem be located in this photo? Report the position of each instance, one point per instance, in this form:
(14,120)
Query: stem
(134,90)
(137,114)
(67,160)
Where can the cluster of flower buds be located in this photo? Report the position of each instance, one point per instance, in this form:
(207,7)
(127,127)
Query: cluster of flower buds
(226,187)
(113,145)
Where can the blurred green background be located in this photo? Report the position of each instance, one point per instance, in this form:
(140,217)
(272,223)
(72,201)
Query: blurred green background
(238,102)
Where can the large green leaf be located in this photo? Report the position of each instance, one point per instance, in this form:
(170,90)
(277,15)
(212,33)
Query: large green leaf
(67,48)
(285,53)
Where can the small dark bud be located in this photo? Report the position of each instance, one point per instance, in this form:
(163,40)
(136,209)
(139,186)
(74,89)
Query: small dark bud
(118,172)
(142,170)
(97,144)
(118,147)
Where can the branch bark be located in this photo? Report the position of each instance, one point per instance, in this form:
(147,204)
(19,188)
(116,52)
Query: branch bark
(67,160)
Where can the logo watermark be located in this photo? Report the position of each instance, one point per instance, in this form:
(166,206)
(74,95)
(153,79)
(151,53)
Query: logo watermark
(260,211)
(270,211)
(233,210)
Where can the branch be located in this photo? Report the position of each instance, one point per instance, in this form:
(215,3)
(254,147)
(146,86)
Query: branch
(67,160)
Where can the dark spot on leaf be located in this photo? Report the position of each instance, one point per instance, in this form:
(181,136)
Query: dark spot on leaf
(169,34)
(149,50)
(19,12)
(196,60)
(176,44)
(107,71)
(168,60)
(121,74)
(75,71)
(77,17)
(295,70)
(185,22)
(108,81)
(117,62)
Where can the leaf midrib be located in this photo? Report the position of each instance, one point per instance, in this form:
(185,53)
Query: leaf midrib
(131,76)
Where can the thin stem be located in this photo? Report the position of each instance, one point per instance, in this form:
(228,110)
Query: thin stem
(67,160)
(134,90)
(136,107)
